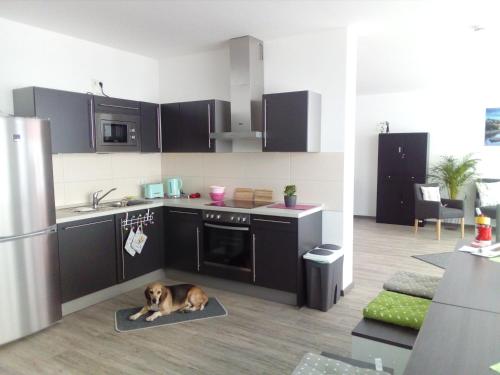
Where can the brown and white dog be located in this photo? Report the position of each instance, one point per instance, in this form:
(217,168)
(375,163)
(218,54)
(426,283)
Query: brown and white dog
(164,300)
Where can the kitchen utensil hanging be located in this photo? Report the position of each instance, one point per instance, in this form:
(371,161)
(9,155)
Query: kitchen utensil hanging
(147,218)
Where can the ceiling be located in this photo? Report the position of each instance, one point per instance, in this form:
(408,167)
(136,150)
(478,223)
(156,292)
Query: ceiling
(166,28)
(394,32)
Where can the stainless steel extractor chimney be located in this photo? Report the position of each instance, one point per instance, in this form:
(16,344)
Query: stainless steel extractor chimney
(247,86)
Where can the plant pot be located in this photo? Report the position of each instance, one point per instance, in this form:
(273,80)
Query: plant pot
(290,201)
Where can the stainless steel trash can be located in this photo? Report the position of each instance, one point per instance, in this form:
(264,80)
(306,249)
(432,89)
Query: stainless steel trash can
(324,266)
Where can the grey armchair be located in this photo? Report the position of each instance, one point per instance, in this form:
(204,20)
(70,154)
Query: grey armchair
(446,209)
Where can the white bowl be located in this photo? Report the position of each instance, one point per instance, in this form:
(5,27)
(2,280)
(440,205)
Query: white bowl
(217,189)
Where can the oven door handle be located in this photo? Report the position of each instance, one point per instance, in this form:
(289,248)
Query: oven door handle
(242,229)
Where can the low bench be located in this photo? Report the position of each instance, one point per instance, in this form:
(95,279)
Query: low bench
(393,344)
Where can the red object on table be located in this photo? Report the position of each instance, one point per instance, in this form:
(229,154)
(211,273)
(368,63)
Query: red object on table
(296,207)
(195,195)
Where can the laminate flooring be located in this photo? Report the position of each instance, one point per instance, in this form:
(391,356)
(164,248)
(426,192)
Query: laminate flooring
(257,337)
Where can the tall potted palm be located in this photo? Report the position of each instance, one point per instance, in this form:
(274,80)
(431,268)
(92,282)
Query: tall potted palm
(454,173)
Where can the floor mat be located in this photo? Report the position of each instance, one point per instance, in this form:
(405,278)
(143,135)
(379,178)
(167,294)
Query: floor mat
(213,309)
(438,259)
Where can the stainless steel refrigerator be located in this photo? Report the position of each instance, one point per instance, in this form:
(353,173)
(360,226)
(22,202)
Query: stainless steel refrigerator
(30,296)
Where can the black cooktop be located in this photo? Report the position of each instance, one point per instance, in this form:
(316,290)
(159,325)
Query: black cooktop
(238,204)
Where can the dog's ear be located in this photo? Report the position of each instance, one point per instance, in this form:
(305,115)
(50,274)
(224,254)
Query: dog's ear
(148,297)
(164,293)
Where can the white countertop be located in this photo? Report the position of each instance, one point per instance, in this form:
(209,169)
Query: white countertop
(67,214)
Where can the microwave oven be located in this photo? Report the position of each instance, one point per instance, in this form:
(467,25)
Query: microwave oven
(117,132)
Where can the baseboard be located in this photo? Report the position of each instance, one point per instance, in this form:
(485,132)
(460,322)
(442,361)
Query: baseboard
(233,286)
(347,289)
(112,291)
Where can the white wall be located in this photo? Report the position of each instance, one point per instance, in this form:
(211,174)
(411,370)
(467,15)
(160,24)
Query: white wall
(34,57)
(455,122)
(460,79)
(317,62)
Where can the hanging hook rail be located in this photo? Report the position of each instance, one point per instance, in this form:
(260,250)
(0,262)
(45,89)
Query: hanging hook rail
(147,218)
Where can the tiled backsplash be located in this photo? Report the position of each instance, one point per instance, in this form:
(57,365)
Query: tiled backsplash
(76,176)
(318,176)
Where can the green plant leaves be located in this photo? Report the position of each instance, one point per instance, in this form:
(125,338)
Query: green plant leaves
(454,173)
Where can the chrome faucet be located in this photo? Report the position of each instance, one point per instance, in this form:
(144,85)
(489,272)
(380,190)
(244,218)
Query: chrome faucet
(96,199)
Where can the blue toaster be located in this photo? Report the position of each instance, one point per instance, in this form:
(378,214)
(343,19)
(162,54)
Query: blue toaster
(153,191)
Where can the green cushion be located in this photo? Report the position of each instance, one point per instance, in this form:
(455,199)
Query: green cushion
(398,309)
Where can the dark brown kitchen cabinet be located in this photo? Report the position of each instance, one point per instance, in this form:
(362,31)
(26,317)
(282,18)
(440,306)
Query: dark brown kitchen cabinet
(291,122)
(278,246)
(70,114)
(150,127)
(186,126)
(87,252)
(152,256)
(183,238)
(275,242)
(402,162)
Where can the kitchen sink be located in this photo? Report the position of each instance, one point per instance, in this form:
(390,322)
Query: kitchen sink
(108,205)
(133,202)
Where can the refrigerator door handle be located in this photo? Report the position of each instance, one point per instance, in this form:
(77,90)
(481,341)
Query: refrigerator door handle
(51,229)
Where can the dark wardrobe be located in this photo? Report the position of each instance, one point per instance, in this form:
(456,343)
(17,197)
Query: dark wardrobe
(402,162)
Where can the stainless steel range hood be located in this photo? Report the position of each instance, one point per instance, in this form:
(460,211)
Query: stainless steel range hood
(247,86)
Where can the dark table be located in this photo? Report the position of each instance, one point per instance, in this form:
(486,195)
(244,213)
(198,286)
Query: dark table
(461,331)
(470,281)
(455,341)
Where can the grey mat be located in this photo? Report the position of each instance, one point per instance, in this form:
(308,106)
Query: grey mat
(212,309)
(438,259)
(355,362)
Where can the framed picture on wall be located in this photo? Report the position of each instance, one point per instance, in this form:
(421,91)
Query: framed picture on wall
(492,127)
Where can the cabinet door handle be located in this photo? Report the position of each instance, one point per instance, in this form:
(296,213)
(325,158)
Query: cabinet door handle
(183,212)
(198,249)
(118,106)
(253,256)
(158,132)
(209,123)
(87,224)
(265,123)
(272,221)
(123,254)
(92,123)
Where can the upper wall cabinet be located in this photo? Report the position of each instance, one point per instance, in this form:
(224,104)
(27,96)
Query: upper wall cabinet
(186,126)
(150,127)
(70,115)
(292,122)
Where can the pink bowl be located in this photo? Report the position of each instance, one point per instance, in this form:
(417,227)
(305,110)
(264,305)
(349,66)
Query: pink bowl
(217,197)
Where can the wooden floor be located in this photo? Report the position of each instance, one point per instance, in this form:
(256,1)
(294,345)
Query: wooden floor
(257,337)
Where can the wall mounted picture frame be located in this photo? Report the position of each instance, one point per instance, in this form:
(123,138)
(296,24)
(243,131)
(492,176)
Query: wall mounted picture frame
(492,127)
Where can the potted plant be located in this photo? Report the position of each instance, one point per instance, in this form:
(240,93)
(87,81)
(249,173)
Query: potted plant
(290,196)
(454,173)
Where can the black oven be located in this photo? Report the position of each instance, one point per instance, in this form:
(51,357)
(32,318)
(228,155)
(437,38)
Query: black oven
(227,250)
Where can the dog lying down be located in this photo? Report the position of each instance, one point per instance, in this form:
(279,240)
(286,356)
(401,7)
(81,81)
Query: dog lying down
(164,300)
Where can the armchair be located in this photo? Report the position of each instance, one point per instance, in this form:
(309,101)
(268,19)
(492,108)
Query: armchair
(446,209)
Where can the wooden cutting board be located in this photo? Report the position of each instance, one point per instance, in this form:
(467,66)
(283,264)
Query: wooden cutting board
(243,194)
(263,195)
